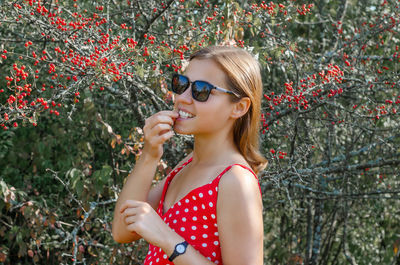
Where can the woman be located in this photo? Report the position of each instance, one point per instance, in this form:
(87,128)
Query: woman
(209,209)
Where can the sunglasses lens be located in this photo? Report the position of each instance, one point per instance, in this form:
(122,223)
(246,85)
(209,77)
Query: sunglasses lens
(201,90)
(179,84)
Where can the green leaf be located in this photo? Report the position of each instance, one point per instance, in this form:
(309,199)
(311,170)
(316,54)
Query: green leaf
(79,187)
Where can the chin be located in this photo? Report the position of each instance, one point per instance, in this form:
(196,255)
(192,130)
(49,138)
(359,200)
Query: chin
(180,131)
(184,129)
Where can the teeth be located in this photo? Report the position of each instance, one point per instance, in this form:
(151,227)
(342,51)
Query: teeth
(185,115)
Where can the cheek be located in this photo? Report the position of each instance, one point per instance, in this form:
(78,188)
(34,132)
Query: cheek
(207,120)
(217,114)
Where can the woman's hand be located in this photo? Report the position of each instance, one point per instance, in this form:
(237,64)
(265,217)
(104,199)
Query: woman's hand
(141,218)
(157,130)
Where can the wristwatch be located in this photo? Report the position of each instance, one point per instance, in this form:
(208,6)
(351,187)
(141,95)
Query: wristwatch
(179,250)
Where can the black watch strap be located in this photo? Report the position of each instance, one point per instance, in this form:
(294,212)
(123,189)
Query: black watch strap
(179,250)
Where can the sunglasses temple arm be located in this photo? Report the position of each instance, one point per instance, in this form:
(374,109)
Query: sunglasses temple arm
(227,91)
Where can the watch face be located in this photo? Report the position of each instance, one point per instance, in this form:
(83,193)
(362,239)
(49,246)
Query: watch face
(180,248)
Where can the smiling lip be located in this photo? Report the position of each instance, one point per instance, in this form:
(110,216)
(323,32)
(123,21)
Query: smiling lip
(184,114)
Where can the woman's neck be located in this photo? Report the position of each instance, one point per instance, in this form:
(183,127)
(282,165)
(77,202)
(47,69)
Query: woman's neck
(213,149)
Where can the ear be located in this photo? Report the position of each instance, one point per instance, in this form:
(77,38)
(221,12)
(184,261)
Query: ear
(240,108)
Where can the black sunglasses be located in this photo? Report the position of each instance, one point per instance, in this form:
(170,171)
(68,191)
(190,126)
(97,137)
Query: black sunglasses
(200,89)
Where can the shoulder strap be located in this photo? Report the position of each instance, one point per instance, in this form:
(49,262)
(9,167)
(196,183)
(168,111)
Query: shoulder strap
(218,178)
(171,175)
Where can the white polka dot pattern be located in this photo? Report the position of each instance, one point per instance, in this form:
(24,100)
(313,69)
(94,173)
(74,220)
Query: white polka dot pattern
(194,218)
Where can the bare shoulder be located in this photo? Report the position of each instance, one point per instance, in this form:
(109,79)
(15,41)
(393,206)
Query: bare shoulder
(239,189)
(239,180)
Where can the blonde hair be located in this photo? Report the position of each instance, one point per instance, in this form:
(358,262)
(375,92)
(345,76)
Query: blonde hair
(244,78)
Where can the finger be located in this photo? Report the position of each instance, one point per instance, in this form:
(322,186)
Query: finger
(170,113)
(162,128)
(161,134)
(130,211)
(132,228)
(161,120)
(154,130)
(128,204)
(158,130)
(129,220)
(161,117)
(164,137)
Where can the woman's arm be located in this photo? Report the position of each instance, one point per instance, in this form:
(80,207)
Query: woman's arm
(157,130)
(240,219)
(136,187)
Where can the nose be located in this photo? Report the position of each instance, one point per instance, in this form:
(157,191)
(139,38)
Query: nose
(185,97)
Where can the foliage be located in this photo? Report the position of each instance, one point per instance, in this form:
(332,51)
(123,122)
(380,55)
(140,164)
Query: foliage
(78,79)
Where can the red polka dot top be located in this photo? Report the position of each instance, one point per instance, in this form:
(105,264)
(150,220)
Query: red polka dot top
(194,217)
